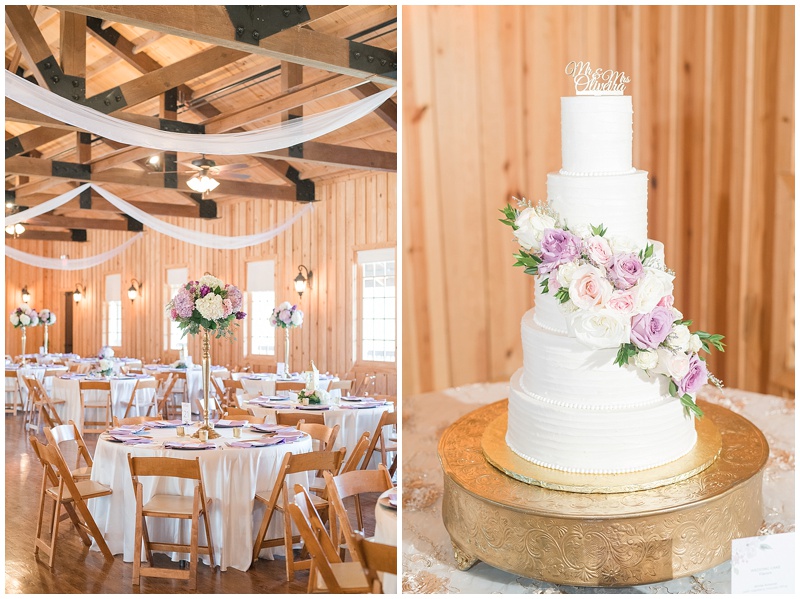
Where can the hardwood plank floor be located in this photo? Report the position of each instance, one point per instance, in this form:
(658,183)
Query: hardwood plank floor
(79,570)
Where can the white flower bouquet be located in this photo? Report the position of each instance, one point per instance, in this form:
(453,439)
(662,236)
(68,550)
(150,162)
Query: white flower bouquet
(209,304)
(46,317)
(24,316)
(316,397)
(105,353)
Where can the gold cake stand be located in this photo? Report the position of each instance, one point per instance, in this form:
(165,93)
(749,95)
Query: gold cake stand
(600,539)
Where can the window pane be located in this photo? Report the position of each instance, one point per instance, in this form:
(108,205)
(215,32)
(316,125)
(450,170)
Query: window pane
(262,333)
(378,305)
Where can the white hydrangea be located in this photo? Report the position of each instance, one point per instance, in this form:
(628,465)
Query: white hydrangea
(24,320)
(106,364)
(14,318)
(297,318)
(210,306)
(211,282)
(284,306)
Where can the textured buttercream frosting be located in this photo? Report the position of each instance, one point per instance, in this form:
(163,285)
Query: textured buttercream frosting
(596,134)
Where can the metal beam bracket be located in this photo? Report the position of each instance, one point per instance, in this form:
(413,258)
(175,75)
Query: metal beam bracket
(305,190)
(208,209)
(296,151)
(70,170)
(180,127)
(253,23)
(66,86)
(133,224)
(13,147)
(78,234)
(107,101)
(86,199)
(373,60)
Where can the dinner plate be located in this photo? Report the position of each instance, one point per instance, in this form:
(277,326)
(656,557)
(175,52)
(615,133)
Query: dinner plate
(266,428)
(230,423)
(385,502)
(190,446)
(313,407)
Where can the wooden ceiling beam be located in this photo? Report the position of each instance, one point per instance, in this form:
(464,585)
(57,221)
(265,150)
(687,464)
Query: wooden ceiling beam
(387,111)
(29,38)
(71,222)
(78,235)
(39,167)
(313,152)
(100,204)
(73,44)
(212,24)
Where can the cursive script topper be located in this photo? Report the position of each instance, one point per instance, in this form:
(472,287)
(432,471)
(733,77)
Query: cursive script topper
(596,82)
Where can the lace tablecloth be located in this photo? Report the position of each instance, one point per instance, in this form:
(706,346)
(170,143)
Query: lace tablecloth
(428,563)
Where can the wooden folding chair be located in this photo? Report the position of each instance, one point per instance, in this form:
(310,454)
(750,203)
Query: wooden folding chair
(90,403)
(165,381)
(176,386)
(246,416)
(344,385)
(352,484)
(169,506)
(12,387)
(354,459)
(40,405)
(289,386)
(378,440)
(366,385)
(69,432)
(292,464)
(285,418)
(67,492)
(150,403)
(328,573)
(237,412)
(376,558)
(325,436)
(232,389)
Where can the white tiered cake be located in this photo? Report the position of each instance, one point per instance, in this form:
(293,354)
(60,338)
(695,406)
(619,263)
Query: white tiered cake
(570,406)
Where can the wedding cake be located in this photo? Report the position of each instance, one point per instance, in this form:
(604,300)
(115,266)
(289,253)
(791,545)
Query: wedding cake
(610,368)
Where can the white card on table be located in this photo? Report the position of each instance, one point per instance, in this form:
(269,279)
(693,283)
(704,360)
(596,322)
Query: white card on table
(763,564)
(281,368)
(186,412)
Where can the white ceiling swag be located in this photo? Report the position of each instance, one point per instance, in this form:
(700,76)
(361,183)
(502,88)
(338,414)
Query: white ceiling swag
(65,263)
(274,137)
(207,240)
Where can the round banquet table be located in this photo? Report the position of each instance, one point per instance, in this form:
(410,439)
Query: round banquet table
(194,382)
(428,562)
(67,387)
(231,477)
(352,422)
(264,383)
(386,533)
(37,370)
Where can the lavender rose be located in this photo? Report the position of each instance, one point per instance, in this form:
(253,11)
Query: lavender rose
(558,247)
(649,330)
(695,378)
(625,270)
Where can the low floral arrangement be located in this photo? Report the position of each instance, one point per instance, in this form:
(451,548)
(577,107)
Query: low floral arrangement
(286,316)
(209,304)
(106,352)
(614,294)
(313,398)
(47,317)
(24,316)
(182,364)
(104,368)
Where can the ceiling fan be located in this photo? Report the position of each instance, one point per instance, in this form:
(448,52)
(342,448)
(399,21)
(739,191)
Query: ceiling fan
(205,170)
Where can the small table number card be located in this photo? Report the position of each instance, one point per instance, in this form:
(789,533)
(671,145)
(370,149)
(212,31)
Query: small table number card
(186,412)
(763,564)
(281,369)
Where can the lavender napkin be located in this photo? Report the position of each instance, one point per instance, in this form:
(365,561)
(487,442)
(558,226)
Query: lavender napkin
(230,423)
(188,445)
(257,443)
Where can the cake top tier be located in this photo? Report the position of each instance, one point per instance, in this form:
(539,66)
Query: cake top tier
(596,135)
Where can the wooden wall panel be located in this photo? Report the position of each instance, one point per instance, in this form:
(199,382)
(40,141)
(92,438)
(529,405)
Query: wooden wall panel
(713,96)
(324,240)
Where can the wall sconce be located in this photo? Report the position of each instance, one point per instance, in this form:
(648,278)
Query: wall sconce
(79,292)
(26,297)
(134,289)
(300,281)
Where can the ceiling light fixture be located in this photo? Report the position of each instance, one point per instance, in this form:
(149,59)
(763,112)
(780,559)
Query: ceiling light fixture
(202,183)
(154,160)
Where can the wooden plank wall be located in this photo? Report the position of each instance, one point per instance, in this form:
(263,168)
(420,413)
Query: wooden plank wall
(713,95)
(354,212)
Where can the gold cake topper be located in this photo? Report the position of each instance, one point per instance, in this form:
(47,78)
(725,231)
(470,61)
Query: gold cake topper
(596,82)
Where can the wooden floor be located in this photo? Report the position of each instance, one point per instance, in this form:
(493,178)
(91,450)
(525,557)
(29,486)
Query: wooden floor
(79,570)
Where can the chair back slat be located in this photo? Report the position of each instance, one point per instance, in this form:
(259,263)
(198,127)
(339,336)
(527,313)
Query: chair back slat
(294,418)
(163,466)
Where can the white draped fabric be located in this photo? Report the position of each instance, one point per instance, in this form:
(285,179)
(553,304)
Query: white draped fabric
(67,264)
(267,139)
(45,207)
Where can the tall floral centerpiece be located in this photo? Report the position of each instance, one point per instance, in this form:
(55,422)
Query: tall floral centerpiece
(286,316)
(208,307)
(46,318)
(22,318)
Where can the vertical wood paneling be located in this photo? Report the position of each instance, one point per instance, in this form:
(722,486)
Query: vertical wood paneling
(713,95)
(323,240)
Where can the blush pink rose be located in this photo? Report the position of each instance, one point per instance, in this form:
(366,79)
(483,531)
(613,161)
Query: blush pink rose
(667,301)
(598,250)
(589,288)
(622,301)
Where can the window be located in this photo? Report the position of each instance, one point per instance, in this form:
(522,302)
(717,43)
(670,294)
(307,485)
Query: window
(261,303)
(112,311)
(176,278)
(378,305)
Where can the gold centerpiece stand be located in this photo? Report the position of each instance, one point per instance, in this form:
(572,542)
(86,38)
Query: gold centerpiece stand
(597,530)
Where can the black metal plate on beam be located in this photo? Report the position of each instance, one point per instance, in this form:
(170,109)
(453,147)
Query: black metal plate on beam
(373,60)
(208,209)
(170,170)
(305,190)
(11,195)
(254,23)
(133,224)
(180,127)
(78,234)
(86,199)
(296,151)
(85,138)
(171,100)
(70,170)
(110,35)
(66,86)
(108,101)
(13,147)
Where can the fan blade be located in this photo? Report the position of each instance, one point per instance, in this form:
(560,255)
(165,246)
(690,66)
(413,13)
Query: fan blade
(230,167)
(191,166)
(235,176)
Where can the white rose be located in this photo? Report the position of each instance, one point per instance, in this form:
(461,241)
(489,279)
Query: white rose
(106,364)
(210,281)
(565,273)
(568,307)
(676,314)
(624,245)
(297,318)
(695,345)
(531,226)
(24,319)
(34,319)
(601,329)
(653,285)
(582,230)
(284,306)
(646,360)
(589,289)
(679,338)
(675,365)
(210,306)
(14,318)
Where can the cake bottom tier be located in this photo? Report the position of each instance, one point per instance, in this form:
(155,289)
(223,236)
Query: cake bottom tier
(597,442)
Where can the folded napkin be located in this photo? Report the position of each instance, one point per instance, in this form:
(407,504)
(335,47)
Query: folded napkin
(257,442)
(230,423)
(268,428)
(164,423)
(137,441)
(392,498)
(127,429)
(289,434)
(314,407)
(188,445)
(123,437)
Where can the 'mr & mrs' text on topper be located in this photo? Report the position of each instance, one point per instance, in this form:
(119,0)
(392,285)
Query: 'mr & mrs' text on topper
(596,82)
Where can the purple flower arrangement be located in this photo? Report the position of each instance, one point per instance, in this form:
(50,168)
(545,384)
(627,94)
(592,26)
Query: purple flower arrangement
(286,316)
(614,298)
(208,304)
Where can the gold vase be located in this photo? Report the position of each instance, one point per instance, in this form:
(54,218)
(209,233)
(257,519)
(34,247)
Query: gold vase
(287,370)
(24,339)
(46,343)
(206,425)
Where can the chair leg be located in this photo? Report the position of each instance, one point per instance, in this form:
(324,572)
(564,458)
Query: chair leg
(40,519)
(262,531)
(54,528)
(194,541)
(287,541)
(209,540)
(137,538)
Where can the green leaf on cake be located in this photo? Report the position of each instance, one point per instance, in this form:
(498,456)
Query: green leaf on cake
(691,406)
(562,295)
(683,322)
(646,253)
(545,285)
(708,340)
(625,353)
(599,230)
(510,216)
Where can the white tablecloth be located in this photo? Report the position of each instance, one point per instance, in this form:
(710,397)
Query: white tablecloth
(194,382)
(352,423)
(37,370)
(264,384)
(428,563)
(231,477)
(386,533)
(121,389)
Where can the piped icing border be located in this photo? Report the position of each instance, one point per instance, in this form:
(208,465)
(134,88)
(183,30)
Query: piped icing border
(563,333)
(589,407)
(567,173)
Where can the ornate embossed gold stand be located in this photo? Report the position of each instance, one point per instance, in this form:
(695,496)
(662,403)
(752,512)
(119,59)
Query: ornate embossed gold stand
(206,426)
(600,539)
